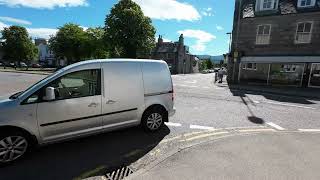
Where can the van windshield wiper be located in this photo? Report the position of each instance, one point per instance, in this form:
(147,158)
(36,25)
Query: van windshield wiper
(16,95)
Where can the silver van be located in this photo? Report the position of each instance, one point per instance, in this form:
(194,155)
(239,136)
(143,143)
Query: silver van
(85,98)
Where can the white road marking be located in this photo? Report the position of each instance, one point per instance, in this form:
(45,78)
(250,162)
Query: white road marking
(275,126)
(191,82)
(206,87)
(309,130)
(205,135)
(291,105)
(173,124)
(170,139)
(256,102)
(255,130)
(183,85)
(201,127)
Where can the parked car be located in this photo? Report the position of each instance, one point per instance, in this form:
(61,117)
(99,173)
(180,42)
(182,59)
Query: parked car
(12,64)
(36,65)
(23,65)
(86,98)
(216,70)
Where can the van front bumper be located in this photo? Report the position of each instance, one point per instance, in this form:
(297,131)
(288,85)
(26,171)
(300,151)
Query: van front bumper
(172,112)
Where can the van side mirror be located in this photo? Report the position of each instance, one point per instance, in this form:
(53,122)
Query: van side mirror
(50,95)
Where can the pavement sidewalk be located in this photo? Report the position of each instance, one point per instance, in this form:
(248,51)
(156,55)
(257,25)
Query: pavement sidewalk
(286,91)
(289,155)
(27,72)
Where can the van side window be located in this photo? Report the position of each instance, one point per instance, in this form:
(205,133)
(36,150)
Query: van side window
(78,84)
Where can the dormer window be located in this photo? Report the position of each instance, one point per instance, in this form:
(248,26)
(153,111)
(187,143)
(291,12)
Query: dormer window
(306,3)
(264,5)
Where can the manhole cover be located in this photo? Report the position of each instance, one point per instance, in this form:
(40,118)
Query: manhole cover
(119,174)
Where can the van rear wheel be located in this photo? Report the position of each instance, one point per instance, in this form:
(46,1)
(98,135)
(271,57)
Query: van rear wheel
(13,146)
(153,119)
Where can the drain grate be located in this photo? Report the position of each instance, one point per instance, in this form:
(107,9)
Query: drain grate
(119,174)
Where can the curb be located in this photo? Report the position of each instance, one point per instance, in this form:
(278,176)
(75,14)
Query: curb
(26,72)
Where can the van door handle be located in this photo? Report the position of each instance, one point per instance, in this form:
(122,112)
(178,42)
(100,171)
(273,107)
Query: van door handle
(111,102)
(93,105)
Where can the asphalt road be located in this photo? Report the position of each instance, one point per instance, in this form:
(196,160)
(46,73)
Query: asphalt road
(201,105)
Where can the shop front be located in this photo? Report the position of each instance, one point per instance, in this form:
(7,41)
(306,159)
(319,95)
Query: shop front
(314,80)
(285,71)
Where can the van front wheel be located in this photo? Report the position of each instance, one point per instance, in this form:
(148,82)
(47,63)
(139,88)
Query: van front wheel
(13,145)
(153,119)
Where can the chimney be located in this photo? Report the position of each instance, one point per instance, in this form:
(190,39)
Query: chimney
(181,40)
(160,40)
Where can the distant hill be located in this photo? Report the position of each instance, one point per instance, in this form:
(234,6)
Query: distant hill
(214,59)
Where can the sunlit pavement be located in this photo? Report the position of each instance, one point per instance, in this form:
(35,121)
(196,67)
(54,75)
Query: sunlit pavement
(204,110)
(272,155)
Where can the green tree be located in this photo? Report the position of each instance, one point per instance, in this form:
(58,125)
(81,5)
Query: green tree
(96,46)
(70,43)
(209,64)
(17,45)
(130,34)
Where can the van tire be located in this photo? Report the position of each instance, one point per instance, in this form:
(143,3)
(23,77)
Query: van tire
(20,144)
(153,119)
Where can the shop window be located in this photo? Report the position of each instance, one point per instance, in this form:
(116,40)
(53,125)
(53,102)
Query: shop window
(288,68)
(250,66)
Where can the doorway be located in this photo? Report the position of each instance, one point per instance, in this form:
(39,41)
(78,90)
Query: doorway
(314,80)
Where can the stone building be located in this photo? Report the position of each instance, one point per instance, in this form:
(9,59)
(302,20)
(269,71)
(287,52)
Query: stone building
(46,56)
(276,42)
(176,54)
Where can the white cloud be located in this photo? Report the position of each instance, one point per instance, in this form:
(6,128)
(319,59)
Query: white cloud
(15,20)
(3,25)
(41,32)
(166,40)
(207,12)
(219,28)
(44,4)
(202,38)
(168,9)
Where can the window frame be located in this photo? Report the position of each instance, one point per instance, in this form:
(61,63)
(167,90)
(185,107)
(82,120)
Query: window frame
(41,90)
(264,9)
(313,3)
(310,33)
(245,66)
(269,35)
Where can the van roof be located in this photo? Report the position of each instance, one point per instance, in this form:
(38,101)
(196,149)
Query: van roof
(87,62)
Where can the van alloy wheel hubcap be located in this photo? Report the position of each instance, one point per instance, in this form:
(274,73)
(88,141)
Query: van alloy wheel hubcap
(154,121)
(12,147)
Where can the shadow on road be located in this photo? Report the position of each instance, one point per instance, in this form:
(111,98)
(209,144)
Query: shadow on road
(253,118)
(99,153)
(274,97)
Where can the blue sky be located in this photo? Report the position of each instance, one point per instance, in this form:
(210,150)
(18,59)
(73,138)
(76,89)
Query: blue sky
(204,23)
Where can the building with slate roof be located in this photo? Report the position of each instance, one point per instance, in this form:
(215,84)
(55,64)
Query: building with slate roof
(176,54)
(276,42)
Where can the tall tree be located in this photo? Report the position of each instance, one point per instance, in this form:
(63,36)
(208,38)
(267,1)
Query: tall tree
(70,43)
(17,45)
(209,64)
(96,47)
(130,34)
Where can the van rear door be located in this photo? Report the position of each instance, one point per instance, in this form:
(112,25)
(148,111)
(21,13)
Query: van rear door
(125,93)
